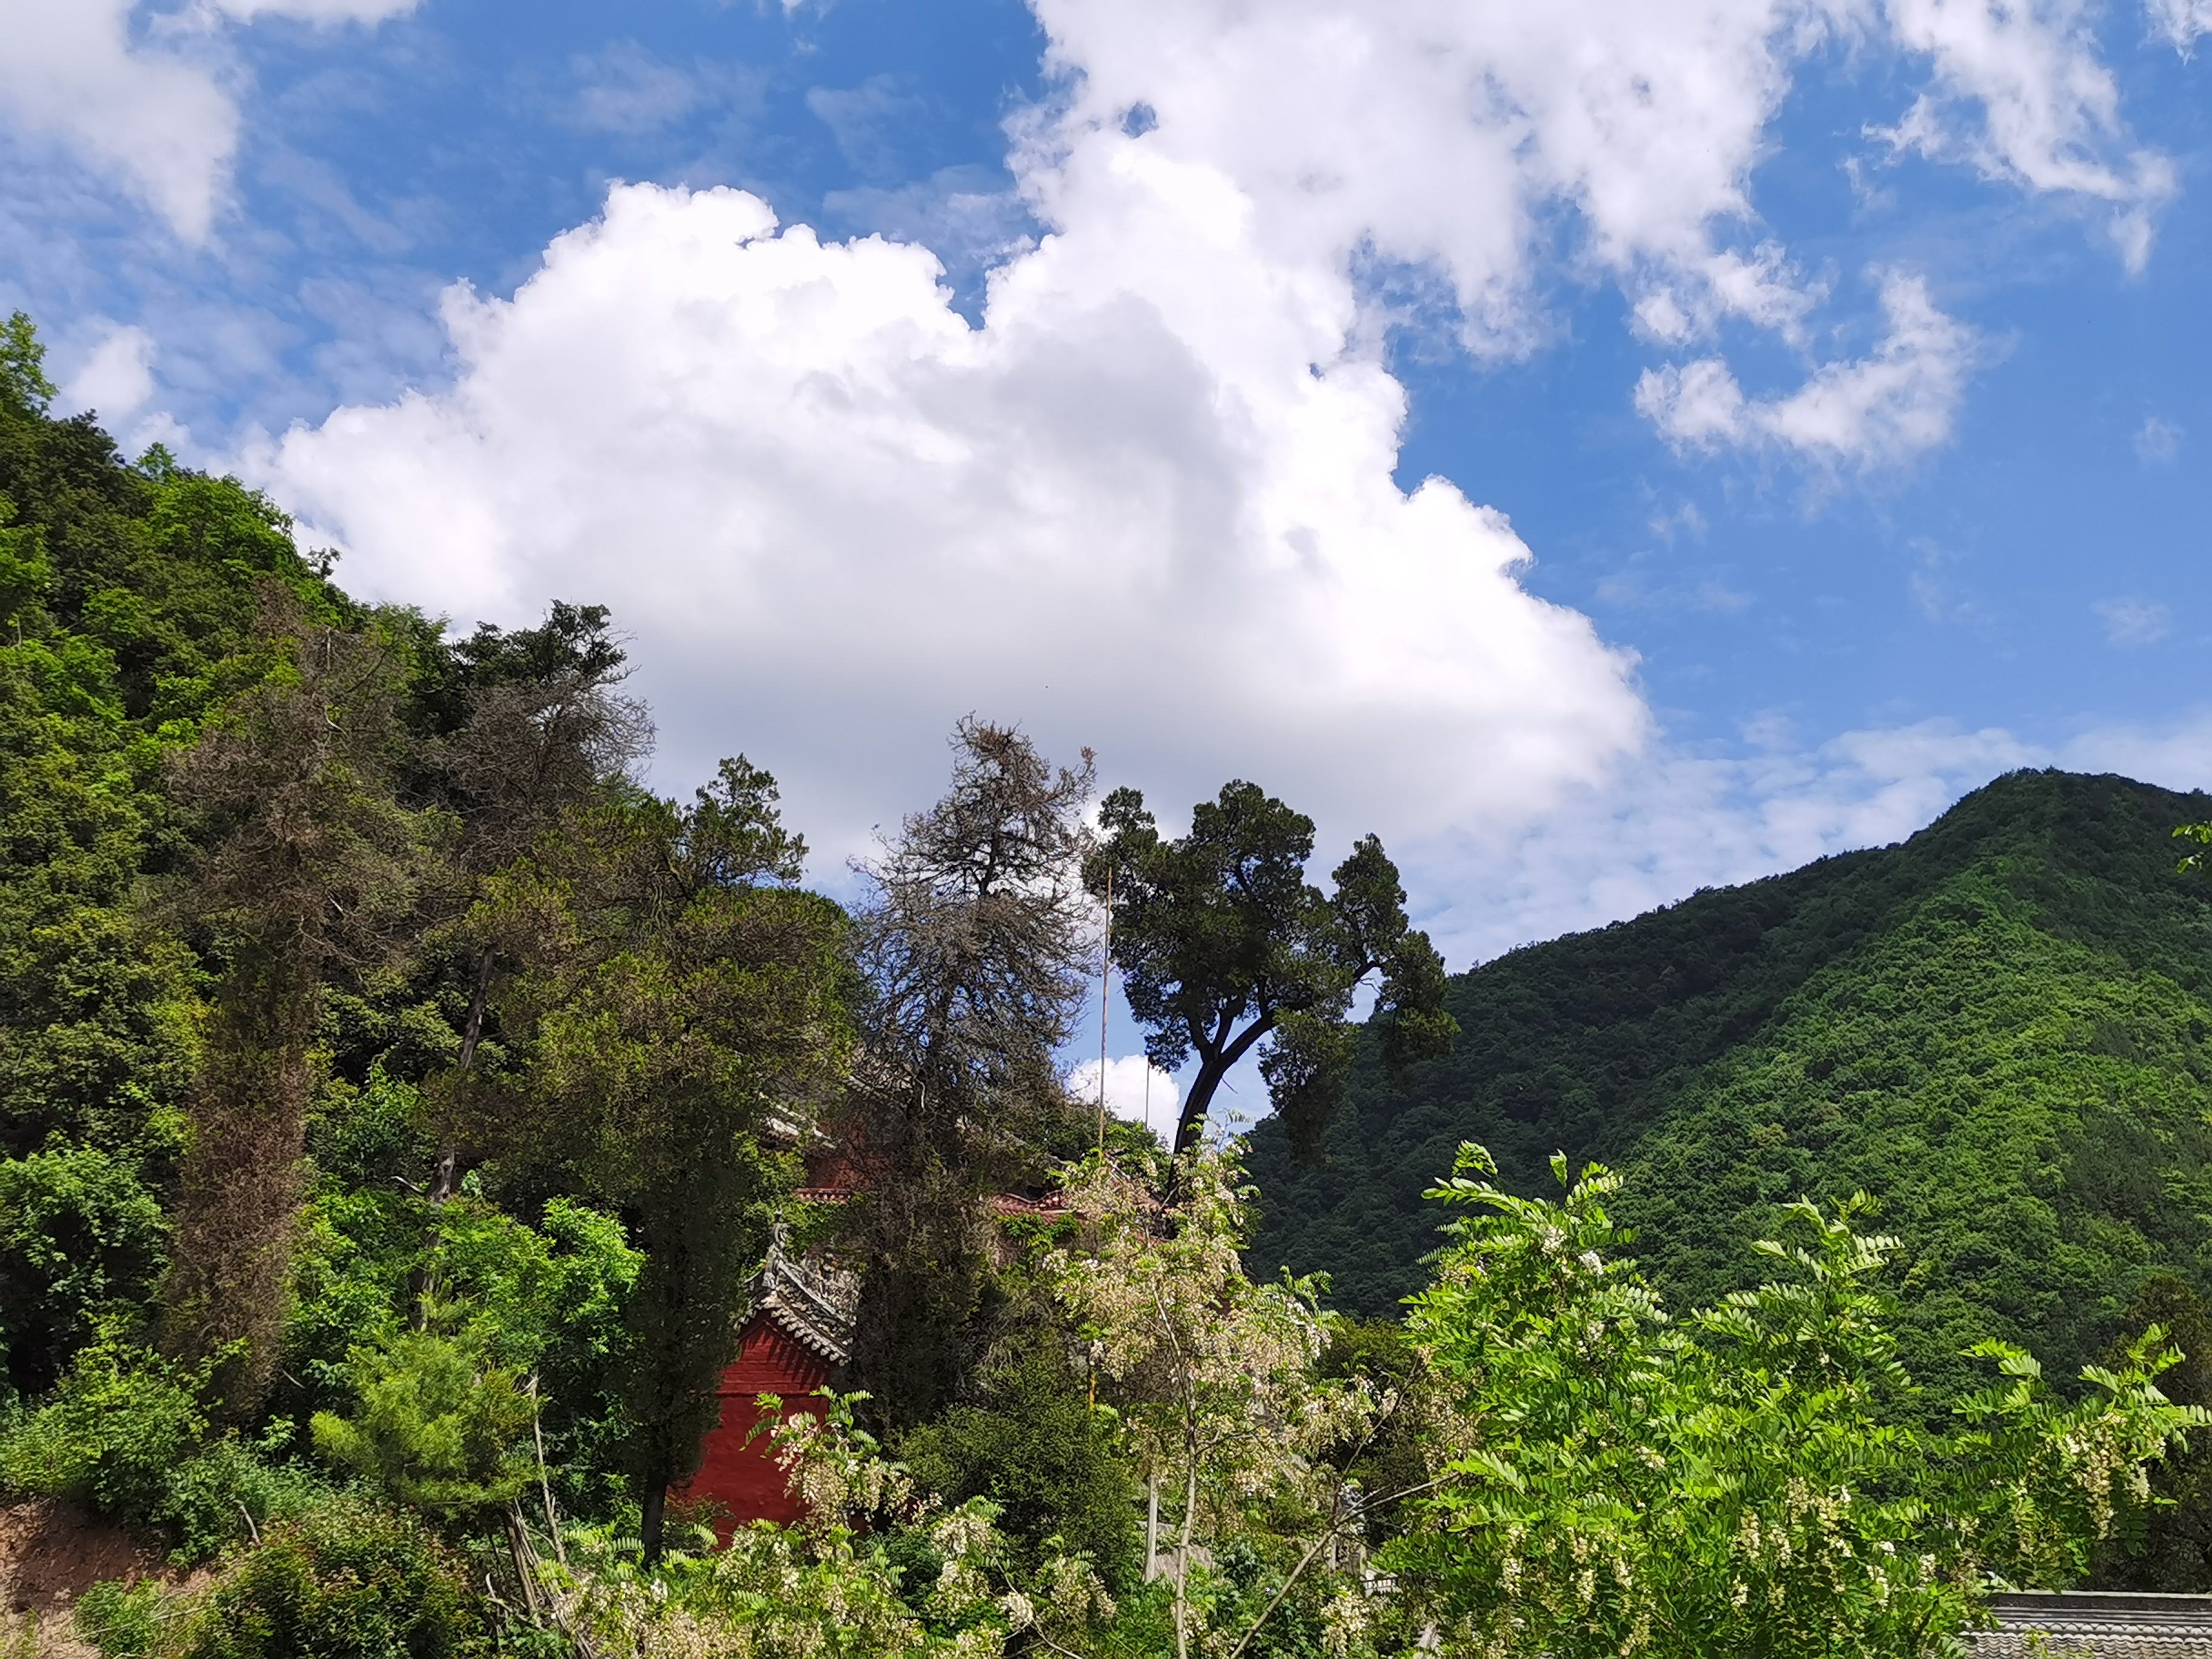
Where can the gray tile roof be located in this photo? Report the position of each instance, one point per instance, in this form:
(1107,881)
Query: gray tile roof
(2095,1625)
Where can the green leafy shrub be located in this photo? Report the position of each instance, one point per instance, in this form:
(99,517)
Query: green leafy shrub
(346,1580)
(545,1301)
(1052,1464)
(874,1571)
(113,1435)
(230,1488)
(81,1242)
(127,1433)
(123,1621)
(364,1137)
(1390,1459)
(438,1426)
(1752,1478)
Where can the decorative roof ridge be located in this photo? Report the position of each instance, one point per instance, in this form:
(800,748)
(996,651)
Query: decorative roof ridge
(814,1305)
(2108,1624)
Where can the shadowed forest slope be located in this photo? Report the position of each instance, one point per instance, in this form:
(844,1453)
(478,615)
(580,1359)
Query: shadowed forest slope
(1999,1028)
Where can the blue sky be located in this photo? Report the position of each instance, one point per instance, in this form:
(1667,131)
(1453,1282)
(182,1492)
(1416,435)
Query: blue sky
(1818,388)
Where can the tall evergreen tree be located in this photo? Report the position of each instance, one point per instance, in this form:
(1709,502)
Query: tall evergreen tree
(308,860)
(541,729)
(676,986)
(1225,948)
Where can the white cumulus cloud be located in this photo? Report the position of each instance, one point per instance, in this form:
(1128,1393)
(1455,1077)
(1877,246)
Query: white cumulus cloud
(1149,502)
(162,122)
(1450,138)
(1136,1090)
(116,378)
(2049,106)
(1161,522)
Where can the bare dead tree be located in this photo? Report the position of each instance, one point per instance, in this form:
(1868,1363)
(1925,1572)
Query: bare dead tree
(974,944)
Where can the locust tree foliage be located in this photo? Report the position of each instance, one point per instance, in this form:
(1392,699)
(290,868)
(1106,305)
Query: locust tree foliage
(1757,1478)
(1214,1373)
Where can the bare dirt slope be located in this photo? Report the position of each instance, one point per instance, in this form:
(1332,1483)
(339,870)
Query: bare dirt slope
(49,1555)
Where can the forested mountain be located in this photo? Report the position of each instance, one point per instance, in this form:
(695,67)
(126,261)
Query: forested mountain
(2000,1028)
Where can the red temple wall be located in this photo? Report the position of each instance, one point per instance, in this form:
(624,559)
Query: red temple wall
(744,1479)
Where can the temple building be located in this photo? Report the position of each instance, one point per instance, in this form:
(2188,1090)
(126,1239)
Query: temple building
(796,1336)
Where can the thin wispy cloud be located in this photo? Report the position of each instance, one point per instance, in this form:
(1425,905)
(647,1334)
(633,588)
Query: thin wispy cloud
(1681,819)
(1685,520)
(1937,594)
(156,109)
(1883,409)
(2180,23)
(971,217)
(2158,440)
(625,88)
(2134,621)
(867,121)
(630,91)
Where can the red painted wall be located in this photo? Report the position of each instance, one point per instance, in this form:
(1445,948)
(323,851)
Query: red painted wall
(744,1479)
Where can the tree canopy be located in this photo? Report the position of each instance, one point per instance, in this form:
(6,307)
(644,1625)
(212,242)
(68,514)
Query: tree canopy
(1226,949)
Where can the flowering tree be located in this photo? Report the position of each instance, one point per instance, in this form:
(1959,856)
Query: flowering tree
(1756,1479)
(833,1587)
(1214,1373)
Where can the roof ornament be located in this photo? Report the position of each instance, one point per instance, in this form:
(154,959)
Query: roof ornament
(811,1302)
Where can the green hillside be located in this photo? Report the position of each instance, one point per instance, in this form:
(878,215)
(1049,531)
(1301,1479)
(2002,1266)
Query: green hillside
(2002,1028)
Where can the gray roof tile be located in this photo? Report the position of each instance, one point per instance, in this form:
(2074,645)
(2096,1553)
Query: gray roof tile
(2096,1625)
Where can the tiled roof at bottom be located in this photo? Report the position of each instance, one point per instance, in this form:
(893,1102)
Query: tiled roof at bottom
(2096,1625)
(2120,1641)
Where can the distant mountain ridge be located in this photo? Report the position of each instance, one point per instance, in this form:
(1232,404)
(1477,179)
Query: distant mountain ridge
(2002,1028)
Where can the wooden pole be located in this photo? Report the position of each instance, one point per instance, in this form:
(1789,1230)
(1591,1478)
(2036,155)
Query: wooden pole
(1151,1527)
(1105,1002)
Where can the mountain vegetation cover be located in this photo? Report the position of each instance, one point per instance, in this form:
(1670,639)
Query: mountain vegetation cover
(396,1094)
(2002,1027)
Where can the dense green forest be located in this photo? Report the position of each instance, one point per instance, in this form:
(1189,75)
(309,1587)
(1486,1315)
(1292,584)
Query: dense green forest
(2002,1027)
(399,1097)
